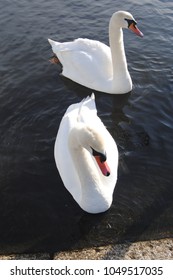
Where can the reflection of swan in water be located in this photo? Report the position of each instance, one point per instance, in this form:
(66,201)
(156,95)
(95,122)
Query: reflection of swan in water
(86,156)
(94,64)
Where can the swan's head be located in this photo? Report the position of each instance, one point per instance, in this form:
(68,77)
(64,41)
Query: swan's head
(95,144)
(126,20)
(91,139)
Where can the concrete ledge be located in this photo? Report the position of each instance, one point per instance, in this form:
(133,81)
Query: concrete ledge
(146,250)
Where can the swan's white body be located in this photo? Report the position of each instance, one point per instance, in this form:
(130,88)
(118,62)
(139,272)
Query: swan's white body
(81,129)
(94,64)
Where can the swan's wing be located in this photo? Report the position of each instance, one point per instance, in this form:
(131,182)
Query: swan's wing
(84,59)
(98,52)
(62,155)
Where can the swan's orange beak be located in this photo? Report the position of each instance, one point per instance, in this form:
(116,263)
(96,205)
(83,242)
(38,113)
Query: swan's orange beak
(136,30)
(103,166)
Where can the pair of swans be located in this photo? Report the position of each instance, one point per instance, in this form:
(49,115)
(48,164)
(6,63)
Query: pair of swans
(86,155)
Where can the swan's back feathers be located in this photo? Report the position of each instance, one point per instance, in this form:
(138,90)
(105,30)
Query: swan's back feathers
(80,44)
(62,47)
(84,52)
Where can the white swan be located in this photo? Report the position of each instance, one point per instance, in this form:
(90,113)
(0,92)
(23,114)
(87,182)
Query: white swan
(87,157)
(94,64)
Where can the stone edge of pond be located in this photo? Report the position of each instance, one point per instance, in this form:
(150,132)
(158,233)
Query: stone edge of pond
(161,249)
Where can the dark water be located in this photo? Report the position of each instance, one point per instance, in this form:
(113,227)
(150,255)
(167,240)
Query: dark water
(36,211)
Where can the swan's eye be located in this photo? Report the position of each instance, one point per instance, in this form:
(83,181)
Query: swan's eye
(102,156)
(130,21)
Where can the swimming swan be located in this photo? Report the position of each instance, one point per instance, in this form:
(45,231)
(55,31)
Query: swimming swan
(86,156)
(94,64)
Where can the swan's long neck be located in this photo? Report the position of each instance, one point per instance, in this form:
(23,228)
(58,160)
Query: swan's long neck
(119,62)
(85,169)
(117,48)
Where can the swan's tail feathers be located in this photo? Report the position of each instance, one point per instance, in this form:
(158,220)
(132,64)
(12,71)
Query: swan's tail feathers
(56,46)
(61,47)
(93,96)
(90,102)
(87,105)
(51,42)
(79,117)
